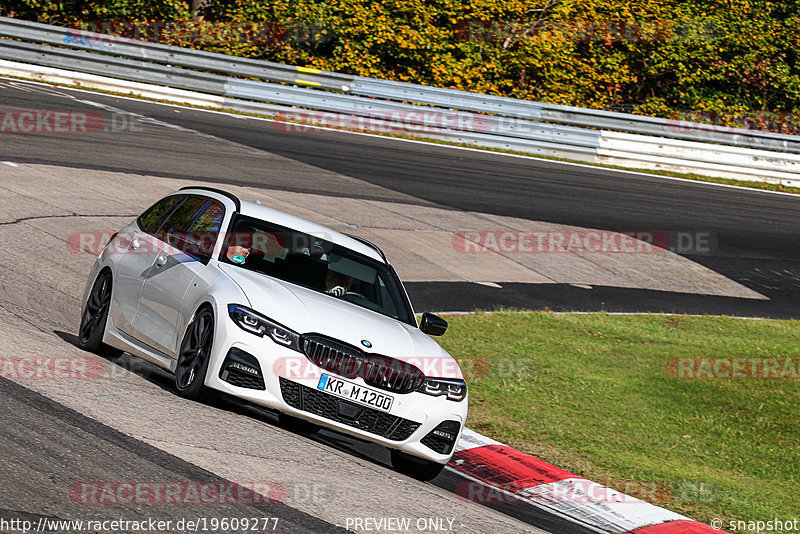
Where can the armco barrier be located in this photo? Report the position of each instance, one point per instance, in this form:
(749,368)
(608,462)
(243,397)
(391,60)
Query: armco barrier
(171,55)
(501,132)
(575,116)
(532,127)
(644,152)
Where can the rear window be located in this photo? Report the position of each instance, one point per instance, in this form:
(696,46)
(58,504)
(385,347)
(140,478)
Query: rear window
(150,221)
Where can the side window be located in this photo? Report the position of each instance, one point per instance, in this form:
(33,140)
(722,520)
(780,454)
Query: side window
(193,227)
(150,220)
(205,229)
(210,221)
(182,217)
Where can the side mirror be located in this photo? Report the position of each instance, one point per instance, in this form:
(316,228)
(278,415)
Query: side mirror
(433,325)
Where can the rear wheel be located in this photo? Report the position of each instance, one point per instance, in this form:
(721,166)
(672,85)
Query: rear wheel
(414,467)
(95,316)
(193,358)
(297,425)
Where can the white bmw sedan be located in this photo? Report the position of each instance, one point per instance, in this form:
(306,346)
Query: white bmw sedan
(253,302)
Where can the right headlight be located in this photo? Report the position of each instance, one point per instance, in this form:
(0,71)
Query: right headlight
(454,388)
(255,323)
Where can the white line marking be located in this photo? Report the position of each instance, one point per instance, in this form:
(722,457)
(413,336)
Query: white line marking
(740,188)
(11,164)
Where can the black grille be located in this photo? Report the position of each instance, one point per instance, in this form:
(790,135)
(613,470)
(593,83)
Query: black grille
(392,375)
(244,380)
(378,371)
(332,356)
(442,438)
(345,412)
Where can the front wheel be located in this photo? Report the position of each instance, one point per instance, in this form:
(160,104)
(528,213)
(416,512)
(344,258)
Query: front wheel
(414,467)
(94,318)
(193,358)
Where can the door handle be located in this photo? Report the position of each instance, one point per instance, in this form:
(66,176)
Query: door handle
(136,243)
(161,261)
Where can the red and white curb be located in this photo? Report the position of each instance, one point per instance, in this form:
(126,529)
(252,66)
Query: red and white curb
(567,495)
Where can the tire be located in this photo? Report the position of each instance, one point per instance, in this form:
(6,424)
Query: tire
(194,355)
(94,317)
(297,425)
(414,467)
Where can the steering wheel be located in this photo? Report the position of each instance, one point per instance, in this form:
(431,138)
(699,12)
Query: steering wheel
(354,294)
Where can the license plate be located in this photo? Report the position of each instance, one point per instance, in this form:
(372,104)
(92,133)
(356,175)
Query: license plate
(353,392)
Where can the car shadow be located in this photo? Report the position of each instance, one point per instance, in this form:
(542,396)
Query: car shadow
(154,374)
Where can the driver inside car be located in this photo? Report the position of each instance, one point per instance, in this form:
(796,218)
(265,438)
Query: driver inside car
(337,284)
(239,247)
(269,246)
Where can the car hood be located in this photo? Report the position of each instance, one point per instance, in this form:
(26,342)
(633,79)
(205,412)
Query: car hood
(307,311)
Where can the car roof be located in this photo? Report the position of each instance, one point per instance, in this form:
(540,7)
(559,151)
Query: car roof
(259,211)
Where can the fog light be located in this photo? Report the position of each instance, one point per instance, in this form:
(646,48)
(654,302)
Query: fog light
(442,439)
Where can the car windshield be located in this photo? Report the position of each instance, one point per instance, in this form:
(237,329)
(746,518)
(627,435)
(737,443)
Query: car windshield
(313,262)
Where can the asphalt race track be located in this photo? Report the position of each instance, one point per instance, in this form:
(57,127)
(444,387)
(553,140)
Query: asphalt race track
(38,430)
(128,424)
(757,244)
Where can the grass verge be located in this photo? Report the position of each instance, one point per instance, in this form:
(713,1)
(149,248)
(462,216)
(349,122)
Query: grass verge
(597,394)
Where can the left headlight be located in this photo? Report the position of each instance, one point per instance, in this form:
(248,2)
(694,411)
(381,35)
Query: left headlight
(255,323)
(454,388)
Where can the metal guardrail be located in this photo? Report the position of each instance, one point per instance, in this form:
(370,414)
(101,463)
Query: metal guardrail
(575,116)
(483,120)
(394,91)
(235,88)
(128,69)
(171,55)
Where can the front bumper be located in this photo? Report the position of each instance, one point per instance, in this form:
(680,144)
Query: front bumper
(290,386)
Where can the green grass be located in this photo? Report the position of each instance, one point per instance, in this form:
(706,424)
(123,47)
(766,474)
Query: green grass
(591,393)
